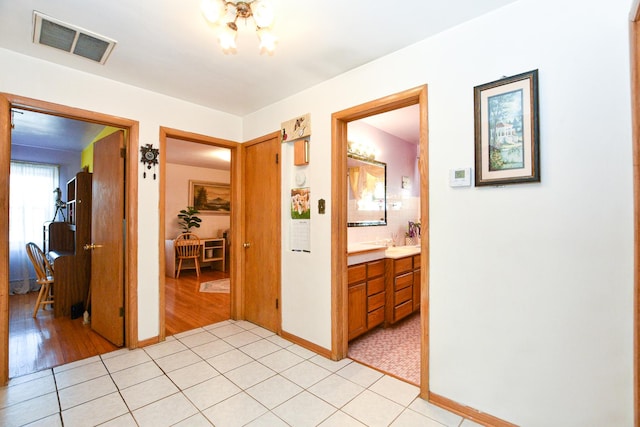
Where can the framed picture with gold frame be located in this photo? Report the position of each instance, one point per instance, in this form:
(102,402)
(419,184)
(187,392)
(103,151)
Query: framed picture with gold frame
(210,197)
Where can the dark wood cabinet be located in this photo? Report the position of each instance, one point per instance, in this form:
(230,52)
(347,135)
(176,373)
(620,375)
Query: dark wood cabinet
(66,240)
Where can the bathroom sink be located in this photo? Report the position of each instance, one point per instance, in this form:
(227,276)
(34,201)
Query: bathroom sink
(401,251)
(364,252)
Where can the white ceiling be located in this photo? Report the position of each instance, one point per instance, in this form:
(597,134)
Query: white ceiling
(167,47)
(199,155)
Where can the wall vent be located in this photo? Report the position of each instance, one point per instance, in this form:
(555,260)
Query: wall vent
(77,41)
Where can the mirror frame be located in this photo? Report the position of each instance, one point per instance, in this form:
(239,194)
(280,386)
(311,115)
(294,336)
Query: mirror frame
(382,222)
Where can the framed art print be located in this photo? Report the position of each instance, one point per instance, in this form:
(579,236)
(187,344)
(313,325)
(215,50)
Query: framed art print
(506,131)
(210,197)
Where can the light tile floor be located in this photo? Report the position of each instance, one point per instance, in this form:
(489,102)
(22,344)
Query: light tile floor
(226,374)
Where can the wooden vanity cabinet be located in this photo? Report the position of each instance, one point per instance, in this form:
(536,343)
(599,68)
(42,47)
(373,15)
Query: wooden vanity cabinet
(416,283)
(357,294)
(403,282)
(366,295)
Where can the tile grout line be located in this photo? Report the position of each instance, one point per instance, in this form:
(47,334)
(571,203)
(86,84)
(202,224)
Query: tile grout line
(261,339)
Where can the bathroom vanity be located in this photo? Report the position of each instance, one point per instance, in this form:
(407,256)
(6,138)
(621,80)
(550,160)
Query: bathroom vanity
(383,285)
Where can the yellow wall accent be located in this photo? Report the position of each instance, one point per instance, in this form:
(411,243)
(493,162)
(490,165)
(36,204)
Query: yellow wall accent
(86,157)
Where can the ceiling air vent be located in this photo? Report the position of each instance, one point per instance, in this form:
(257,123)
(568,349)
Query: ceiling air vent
(77,41)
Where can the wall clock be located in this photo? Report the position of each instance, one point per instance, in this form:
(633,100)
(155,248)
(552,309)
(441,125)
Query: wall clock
(149,158)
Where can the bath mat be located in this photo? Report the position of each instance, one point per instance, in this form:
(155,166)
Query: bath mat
(394,350)
(216,286)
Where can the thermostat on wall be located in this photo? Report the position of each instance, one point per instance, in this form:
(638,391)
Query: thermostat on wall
(460,177)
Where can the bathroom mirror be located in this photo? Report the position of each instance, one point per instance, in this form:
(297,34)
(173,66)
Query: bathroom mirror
(367,191)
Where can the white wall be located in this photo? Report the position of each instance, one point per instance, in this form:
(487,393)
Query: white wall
(30,77)
(177,198)
(530,285)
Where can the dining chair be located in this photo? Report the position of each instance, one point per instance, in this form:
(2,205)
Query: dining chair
(187,247)
(44,276)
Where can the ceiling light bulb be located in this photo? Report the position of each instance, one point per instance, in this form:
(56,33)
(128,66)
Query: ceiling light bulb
(267,40)
(262,13)
(212,9)
(227,40)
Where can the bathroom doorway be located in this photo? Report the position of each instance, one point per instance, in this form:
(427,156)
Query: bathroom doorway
(390,139)
(340,124)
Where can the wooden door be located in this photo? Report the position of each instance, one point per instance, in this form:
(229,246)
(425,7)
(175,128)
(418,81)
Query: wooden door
(262,234)
(107,234)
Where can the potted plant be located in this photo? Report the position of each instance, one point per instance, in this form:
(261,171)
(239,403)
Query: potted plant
(187,219)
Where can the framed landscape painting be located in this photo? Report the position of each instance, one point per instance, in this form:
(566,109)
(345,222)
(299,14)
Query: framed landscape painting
(210,197)
(506,131)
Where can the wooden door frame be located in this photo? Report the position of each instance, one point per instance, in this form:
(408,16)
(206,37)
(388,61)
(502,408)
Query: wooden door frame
(339,298)
(236,221)
(131,210)
(278,250)
(635,141)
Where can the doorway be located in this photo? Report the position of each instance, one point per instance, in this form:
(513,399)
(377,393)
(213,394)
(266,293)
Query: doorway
(194,159)
(40,145)
(340,122)
(7,102)
(383,152)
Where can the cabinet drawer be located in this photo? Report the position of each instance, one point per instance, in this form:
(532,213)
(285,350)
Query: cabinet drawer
(375,285)
(403,281)
(403,295)
(375,268)
(403,310)
(375,318)
(357,273)
(403,264)
(416,261)
(375,301)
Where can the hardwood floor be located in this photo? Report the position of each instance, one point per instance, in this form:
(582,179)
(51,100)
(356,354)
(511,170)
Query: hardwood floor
(187,308)
(46,342)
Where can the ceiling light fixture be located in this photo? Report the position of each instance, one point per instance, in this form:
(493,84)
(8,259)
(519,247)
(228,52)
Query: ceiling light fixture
(226,13)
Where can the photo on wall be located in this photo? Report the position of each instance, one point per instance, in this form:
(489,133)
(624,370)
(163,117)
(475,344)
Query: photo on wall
(300,208)
(210,197)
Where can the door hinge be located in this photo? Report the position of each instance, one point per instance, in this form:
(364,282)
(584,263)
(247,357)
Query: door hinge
(121,311)
(277,303)
(123,153)
(277,158)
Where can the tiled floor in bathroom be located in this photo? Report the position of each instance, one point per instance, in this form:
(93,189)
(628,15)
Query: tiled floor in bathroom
(226,374)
